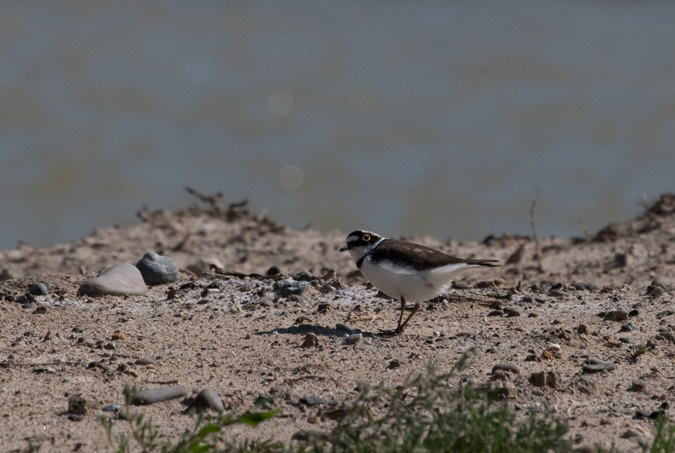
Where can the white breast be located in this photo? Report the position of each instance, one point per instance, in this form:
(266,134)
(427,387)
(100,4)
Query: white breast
(404,281)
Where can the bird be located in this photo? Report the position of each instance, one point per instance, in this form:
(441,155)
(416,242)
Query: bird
(404,270)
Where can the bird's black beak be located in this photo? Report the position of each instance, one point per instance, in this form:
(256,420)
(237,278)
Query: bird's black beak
(344,248)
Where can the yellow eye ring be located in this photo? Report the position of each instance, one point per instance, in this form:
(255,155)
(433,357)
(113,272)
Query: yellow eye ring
(365,238)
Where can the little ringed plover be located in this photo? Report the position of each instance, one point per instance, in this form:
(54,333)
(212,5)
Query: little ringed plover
(404,270)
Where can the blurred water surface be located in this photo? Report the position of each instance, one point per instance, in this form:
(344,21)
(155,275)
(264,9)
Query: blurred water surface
(439,117)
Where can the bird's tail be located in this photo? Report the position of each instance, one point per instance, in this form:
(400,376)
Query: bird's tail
(486,263)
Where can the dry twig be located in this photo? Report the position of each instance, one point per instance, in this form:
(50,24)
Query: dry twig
(537,252)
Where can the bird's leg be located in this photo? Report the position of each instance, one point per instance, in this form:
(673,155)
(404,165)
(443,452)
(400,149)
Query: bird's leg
(400,327)
(401,323)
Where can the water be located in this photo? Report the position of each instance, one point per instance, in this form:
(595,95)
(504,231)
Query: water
(443,117)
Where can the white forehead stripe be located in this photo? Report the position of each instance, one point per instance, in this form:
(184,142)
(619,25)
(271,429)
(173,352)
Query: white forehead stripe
(353,237)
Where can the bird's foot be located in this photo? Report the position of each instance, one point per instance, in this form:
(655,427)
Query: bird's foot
(391,332)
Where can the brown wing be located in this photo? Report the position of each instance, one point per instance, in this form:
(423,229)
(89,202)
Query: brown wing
(420,256)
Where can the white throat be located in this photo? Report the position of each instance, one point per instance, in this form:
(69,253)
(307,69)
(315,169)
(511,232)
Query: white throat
(359,252)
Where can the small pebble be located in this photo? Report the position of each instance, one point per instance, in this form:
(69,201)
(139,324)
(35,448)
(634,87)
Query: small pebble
(157,269)
(77,405)
(144,361)
(354,338)
(511,312)
(111,408)
(274,270)
(547,355)
(304,276)
(637,386)
(119,280)
(623,260)
(660,284)
(616,315)
(644,413)
(655,291)
(311,341)
(628,327)
(119,336)
(629,434)
(288,287)
(489,283)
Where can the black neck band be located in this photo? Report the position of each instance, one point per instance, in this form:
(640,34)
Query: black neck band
(360,261)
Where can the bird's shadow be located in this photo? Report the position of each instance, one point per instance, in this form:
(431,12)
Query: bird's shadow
(304,329)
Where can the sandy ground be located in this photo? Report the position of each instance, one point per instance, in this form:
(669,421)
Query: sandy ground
(605,297)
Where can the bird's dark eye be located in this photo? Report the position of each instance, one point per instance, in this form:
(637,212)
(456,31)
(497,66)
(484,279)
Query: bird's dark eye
(365,237)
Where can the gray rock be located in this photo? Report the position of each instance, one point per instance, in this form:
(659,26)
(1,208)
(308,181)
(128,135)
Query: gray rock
(119,280)
(208,399)
(313,400)
(145,361)
(151,396)
(506,366)
(157,269)
(304,276)
(287,288)
(628,327)
(597,365)
(38,289)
